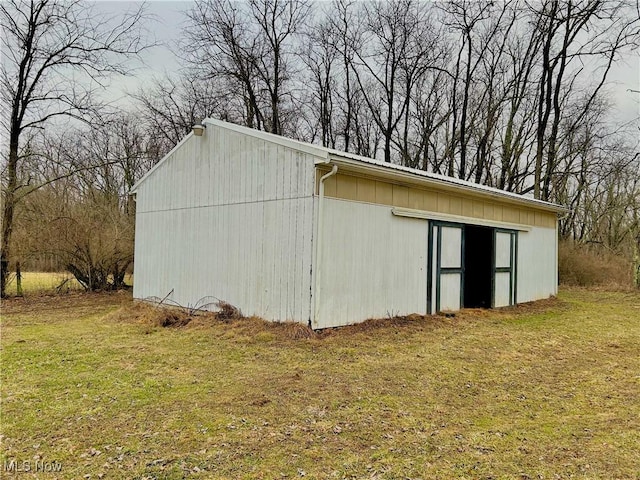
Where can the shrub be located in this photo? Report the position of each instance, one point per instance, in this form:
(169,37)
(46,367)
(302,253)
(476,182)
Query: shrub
(592,265)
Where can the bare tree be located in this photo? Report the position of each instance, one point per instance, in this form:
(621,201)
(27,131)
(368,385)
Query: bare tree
(249,47)
(390,52)
(573,33)
(58,54)
(343,21)
(78,212)
(171,106)
(430,114)
(321,57)
(517,128)
(464,16)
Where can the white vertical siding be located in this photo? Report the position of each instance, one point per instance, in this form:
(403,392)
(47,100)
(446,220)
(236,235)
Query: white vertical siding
(537,267)
(225,167)
(228,216)
(374,264)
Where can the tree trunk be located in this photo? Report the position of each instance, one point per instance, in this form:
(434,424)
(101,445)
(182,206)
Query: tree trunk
(463,116)
(8,210)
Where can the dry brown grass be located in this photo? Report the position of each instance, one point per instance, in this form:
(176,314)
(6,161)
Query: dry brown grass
(226,311)
(48,283)
(421,323)
(589,266)
(152,315)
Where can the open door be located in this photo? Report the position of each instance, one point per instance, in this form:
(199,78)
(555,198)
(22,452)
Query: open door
(478,266)
(505,247)
(447,267)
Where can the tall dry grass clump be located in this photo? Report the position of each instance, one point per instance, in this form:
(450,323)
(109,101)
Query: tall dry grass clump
(592,265)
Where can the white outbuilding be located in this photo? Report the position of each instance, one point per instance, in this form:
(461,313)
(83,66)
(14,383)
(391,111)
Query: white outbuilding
(287,230)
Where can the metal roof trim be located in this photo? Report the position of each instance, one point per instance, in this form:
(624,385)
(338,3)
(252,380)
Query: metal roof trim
(136,185)
(305,147)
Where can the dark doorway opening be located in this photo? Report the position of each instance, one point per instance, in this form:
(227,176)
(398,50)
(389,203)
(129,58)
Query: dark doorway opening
(478,257)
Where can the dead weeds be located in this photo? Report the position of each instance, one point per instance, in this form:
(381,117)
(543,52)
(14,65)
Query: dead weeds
(175,317)
(416,322)
(154,315)
(226,311)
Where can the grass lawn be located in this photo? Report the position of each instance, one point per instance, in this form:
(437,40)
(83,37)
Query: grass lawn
(550,390)
(48,282)
(36,282)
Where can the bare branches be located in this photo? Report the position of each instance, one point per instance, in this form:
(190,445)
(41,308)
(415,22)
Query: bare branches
(573,32)
(59,53)
(247,48)
(51,43)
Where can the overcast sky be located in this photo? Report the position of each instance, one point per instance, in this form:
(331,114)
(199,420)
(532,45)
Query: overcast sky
(164,27)
(169,17)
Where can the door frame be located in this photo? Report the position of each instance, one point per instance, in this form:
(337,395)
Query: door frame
(439,270)
(435,258)
(512,269)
